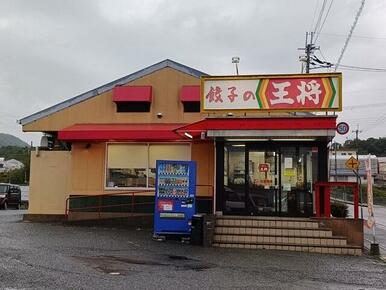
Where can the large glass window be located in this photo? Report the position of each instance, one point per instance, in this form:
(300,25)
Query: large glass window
(127,165)
(133,165)
(165,152)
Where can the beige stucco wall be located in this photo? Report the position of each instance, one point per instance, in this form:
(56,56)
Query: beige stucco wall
(88,163)
(50,182)
(203,154)
(57,174)
(88,168)
(166,84)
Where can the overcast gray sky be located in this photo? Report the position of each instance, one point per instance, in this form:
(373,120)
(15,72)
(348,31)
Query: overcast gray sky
(52,50)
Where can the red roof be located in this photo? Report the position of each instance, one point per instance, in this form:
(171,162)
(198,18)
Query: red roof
(132,94)
(190,94)
(120,132)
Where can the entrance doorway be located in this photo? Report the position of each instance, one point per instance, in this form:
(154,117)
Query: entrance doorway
(262,187)
(269,178)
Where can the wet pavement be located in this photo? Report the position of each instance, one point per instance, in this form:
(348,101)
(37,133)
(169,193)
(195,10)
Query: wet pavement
(53,256)
(380,228)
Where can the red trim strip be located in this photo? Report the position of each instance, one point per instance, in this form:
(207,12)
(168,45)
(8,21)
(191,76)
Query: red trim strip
(307,123)
(120,132)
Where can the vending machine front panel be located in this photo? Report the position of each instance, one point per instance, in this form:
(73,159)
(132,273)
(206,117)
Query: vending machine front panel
(174,197)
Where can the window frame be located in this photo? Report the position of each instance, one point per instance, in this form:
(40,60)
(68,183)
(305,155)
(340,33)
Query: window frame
(147,188)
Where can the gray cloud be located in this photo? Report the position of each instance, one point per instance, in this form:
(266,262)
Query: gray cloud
(52,50)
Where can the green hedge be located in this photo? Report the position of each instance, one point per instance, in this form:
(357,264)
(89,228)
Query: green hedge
(339,210)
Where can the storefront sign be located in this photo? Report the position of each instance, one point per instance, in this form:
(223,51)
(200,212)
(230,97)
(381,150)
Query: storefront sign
(311,92)
(263,167)
(288,162)
(289,172)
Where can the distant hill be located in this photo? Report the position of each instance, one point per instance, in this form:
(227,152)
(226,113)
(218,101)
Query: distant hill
(10,140)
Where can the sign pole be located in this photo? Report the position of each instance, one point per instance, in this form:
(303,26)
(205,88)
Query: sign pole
(353,164)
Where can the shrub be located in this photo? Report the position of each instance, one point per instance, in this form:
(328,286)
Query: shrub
(339,209)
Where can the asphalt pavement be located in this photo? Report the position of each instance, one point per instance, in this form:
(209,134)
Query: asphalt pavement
(54,256)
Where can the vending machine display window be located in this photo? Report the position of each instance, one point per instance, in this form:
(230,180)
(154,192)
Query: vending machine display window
(175,197)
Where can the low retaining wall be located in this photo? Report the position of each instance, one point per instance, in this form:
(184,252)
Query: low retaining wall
(352,229)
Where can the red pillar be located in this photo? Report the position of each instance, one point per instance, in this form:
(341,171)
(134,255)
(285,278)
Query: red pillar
(327,202)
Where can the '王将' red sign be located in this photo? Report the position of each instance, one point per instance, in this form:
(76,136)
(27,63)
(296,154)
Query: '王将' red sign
(316,92)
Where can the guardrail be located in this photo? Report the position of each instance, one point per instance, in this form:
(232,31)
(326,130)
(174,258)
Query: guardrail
(323,201)
(100,208)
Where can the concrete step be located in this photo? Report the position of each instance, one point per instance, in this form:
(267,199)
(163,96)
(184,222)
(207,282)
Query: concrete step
(336,250)
(274,231)
(285,240)
(267,223)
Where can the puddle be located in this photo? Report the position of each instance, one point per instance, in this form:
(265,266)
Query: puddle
(181,258)
(115,265)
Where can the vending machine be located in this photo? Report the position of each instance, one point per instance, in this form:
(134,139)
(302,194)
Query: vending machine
(175,197)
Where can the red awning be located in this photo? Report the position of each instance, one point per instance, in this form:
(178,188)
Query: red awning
(270,123)
(190,94)
(120,132)
(132,94)
(270,126)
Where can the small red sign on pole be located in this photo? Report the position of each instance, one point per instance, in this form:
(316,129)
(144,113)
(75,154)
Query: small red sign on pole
(263,167)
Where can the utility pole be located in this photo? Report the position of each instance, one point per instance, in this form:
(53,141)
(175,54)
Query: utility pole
(357,131)
(309,49)
(359,181)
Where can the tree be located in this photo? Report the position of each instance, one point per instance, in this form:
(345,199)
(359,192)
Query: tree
(371,145)
(22,154)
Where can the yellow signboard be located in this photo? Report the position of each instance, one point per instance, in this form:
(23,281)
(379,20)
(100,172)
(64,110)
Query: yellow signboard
(352,163)
(289,172)
(304,92)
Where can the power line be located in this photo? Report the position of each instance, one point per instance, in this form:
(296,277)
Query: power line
(313,18)
(349,35)
(377,122)
(324,20)
(309,51)
(354,36)
(320,16)
(325,64)
(364,106)
(363,69)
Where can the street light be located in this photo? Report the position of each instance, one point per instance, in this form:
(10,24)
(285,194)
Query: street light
(236,61)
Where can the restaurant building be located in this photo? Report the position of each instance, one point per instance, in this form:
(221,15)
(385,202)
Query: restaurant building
(259,143)
(258,146)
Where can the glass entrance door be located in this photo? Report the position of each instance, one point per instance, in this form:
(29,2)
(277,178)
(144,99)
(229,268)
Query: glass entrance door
(234,179)
(298,170)
(269,179)
(262,186)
